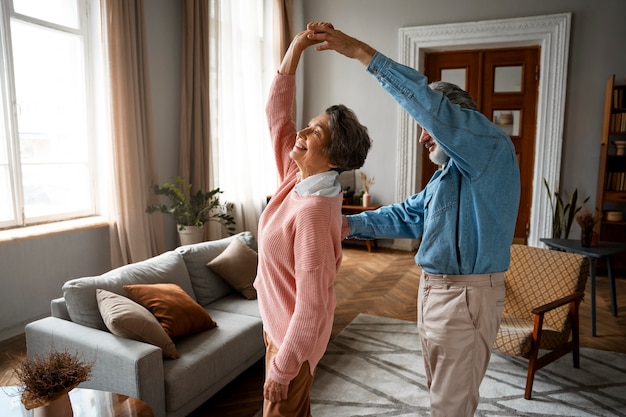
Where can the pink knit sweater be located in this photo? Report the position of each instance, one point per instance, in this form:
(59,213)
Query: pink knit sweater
(299,253)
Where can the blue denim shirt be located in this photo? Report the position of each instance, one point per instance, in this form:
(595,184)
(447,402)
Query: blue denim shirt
(466,214)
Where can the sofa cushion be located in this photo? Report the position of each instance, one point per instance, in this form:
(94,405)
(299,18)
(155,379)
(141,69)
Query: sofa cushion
(175,310)
(207,285)
(80,293)
(125,318)
(209,360)
(234,303)
(237,265)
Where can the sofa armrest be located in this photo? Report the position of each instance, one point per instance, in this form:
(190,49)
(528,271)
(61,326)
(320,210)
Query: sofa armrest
(121,365)
(58,308)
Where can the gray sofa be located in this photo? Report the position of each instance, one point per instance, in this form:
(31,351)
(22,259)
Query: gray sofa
(207,361)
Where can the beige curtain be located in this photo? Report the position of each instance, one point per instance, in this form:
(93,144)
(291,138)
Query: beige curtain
(135,235)
(283,16)
(195,137)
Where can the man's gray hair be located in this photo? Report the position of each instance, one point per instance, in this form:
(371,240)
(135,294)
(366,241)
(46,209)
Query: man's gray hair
(455,94)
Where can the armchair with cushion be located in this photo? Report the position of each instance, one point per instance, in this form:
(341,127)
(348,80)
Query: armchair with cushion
(544,288)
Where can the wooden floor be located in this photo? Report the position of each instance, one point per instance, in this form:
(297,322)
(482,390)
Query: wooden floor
(384,283)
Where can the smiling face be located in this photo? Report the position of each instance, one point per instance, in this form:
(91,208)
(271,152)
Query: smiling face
(309,150)
(435,153)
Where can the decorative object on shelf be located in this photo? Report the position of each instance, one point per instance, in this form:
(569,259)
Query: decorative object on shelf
(193,211)
(620,147)
(367,183)
(348,195)
(46,380)
(587,221)
(614,216)
(562,214)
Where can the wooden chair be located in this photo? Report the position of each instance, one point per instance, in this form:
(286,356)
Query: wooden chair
(544,288)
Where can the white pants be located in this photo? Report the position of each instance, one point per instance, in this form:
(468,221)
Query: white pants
(458,320)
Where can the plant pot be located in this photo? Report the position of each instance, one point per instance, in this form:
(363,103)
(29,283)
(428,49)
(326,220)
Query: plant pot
(586,238)
(59,407)
(366,200)
(190,235)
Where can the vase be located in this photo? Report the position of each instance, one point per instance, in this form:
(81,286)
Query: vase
(366,200)
(190,235)
(59,407)
(586,237)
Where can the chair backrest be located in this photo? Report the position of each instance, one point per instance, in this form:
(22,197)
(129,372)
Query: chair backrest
(538,276)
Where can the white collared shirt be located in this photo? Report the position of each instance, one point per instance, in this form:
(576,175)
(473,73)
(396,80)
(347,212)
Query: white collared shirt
(324,184)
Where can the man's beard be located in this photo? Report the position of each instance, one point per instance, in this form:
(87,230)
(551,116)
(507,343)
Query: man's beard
(438,156)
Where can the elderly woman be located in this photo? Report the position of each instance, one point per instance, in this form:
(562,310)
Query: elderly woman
(300,238)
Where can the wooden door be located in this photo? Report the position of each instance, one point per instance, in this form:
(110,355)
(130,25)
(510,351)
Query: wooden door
(504,84)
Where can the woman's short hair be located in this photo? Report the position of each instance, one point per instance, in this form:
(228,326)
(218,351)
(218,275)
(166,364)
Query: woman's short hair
(455,94)
(349,139)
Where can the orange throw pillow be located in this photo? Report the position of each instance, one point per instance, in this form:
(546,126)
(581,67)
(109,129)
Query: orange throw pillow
(175,310)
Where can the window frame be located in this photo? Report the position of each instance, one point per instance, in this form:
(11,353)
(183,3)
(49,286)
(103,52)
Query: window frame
(88,32)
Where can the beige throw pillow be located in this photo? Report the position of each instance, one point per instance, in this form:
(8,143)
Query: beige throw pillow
(177,312)
(237,265)
(125,318)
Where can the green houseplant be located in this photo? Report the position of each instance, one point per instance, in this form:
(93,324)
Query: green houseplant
(192,209)
(563,214)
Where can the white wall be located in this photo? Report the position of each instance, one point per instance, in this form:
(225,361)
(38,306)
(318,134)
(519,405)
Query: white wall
(32,272)
(596,52)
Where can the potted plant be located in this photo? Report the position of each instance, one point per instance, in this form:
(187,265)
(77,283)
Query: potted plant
(587,221)
(562,213)
(45,381)
(192,210)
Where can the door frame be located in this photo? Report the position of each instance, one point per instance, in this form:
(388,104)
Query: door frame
(551,33)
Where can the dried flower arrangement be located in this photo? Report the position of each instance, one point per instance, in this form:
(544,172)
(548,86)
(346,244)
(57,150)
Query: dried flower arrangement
(45,377)
(587,220)
(367,182)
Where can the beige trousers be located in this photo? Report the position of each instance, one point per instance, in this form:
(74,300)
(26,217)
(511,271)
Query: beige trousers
(458,319)
(298,402)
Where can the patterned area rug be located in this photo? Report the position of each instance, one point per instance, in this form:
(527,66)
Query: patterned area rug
(374,368)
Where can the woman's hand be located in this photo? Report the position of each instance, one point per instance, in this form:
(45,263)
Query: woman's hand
(292,57)
(275,392)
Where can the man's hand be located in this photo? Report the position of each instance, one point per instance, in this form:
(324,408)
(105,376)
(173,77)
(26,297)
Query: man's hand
(275,392)
(336,40)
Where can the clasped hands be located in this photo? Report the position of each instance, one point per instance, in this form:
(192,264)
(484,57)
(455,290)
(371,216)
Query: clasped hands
(330,38)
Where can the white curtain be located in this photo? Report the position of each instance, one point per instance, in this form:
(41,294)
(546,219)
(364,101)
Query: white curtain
(241,68)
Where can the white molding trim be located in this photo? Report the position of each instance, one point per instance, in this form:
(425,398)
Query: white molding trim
(552,34)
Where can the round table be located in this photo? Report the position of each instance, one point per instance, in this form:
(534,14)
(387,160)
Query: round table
(85,403)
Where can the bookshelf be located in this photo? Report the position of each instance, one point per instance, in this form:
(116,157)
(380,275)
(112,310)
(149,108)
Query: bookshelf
(611,190)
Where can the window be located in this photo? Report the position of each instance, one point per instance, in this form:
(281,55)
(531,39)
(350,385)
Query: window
(46,126)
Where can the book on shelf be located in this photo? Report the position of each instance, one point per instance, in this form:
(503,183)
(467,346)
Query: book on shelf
(616,181)
(618,98)
(618,123)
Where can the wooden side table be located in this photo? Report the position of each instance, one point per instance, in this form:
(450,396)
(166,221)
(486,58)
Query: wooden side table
(350,209)
(85,403)
(601,250)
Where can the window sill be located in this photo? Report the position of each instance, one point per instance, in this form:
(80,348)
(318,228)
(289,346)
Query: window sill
(48,229)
